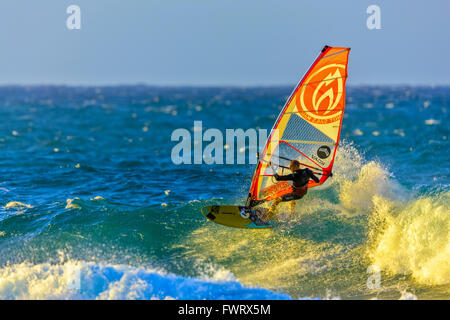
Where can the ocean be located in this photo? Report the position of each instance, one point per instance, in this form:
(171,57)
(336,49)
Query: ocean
(93,207)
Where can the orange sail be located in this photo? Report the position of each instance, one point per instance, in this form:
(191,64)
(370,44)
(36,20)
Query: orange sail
(307,128)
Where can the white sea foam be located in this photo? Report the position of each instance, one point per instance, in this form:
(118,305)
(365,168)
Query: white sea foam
(71,205)
(408,296)
(16,205)
(432,122)
(88,280)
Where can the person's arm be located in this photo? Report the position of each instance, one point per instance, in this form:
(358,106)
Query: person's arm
(288,177)
(312,176)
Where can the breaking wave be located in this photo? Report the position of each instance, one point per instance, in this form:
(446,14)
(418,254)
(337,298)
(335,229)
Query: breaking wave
(88,280)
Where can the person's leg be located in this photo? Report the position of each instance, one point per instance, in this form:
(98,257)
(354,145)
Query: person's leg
(271,212)
(292,203)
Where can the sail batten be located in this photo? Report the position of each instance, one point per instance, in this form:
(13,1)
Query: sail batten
(308,127)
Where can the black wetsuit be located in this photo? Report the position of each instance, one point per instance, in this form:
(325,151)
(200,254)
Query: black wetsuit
(300,180)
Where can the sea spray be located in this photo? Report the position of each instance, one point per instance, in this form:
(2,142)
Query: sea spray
(413,238)
(404,235)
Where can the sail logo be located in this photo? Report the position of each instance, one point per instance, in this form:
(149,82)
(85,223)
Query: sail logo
(319,99)
(324,152)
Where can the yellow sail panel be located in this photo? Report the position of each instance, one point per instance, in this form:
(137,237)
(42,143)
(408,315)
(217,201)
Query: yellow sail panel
(307,128)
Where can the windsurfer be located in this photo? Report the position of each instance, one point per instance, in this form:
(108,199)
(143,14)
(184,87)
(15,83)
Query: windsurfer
(300,179)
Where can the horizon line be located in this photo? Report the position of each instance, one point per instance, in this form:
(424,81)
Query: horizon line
(142,84)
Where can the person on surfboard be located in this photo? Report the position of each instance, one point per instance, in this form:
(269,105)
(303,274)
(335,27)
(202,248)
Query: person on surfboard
(300,178)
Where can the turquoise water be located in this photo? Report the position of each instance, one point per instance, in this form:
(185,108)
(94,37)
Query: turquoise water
(91,205)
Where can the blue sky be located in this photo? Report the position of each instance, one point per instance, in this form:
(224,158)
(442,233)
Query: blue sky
(226,42)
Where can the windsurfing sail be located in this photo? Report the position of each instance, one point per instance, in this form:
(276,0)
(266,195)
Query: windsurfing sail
(307,129)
